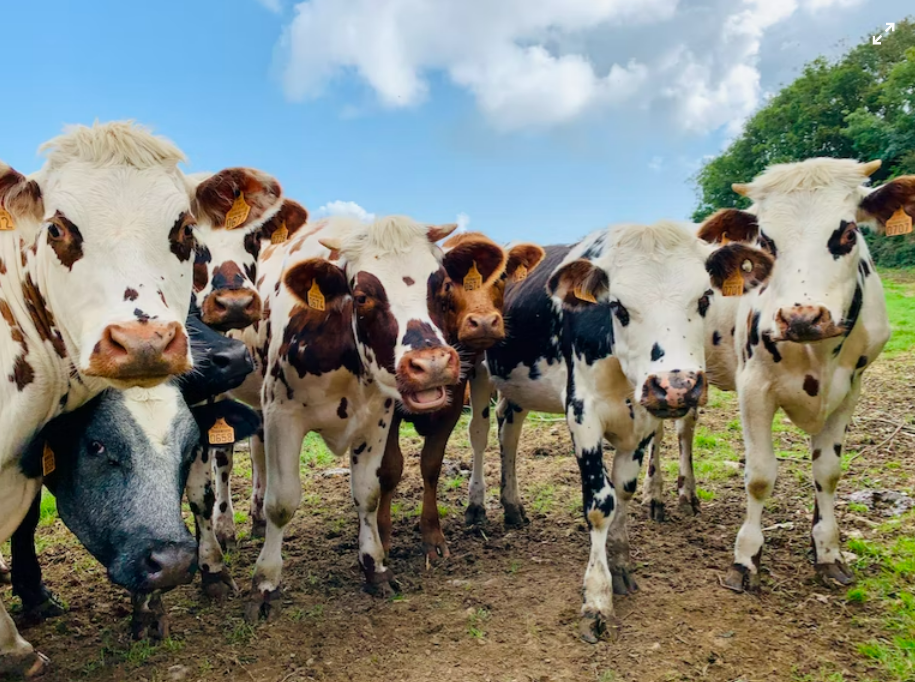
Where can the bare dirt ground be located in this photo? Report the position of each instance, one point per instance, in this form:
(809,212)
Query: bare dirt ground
(504,607)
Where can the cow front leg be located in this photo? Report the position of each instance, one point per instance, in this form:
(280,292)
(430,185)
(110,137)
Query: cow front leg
(480,399)
(283,435)
(389,476)
(653,488)
(17,657)
(224,514)
(757,410)
(258,484)
(826,452)
(510,418)
(38,602)
(687,499)
(215,579)
(149,620)
(366,489)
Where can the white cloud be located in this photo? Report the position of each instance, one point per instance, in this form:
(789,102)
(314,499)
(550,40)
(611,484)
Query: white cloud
(463,220)
(350,208)
(532,65)
(275,6)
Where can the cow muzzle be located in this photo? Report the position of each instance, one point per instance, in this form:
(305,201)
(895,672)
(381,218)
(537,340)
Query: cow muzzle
(423,375)
(140,353)
(806,324)
(231,309)
(169,565)
(671,395)
(481,331)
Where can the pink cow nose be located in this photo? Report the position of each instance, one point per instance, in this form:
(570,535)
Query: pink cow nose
(231,309)
(806,323)
(136,352)
(480,331)
(670,395)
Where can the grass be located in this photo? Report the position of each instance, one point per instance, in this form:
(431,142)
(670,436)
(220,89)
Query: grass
(477,619)
(899,287)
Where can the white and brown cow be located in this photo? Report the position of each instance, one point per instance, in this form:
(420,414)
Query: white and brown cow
(345,339)
(95,282)
(610,332)
(802,342)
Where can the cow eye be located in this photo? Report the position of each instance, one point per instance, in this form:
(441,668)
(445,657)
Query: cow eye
(188,231)
(96,448)
(850,234)
(55,232)
(361,299)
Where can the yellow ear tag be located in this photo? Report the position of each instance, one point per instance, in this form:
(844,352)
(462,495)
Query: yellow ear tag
(899,223)
(315,297)
(473,280)
(724,238)
(280,236)
(238,214)
(520,273)
(221,433)
(48,464)
(6,220)
(583,295)
(733,285)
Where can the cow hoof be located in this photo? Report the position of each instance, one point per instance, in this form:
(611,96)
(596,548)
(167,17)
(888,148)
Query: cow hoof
(623,581)
(689,506)
(151,625)
(475,515)
(658,512)
(741,579)
(435,549)
(227,542)
(258,529)
(38,613)
(28,667)
(835,575)
(592,627)
(264,605)
(384,588)
(515,516)
(218,586)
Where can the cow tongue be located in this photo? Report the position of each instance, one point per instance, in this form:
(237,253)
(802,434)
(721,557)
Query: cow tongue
(429,395)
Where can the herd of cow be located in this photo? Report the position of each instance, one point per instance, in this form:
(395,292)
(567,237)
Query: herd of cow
(119,272)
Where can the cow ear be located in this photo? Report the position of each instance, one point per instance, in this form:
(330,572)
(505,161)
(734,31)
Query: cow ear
(243,420)
(472,251)
(21,205)
(437,232)
(317,283)
(753,267)
(285,223)
(522,259)
(729,225)
(51,450)
(579,284)
(884,202)
(238,198)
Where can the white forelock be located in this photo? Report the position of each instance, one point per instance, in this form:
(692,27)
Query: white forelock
(110,144)
(387,235)
(812,174)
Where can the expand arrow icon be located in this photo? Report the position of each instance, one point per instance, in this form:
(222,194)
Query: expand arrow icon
(890,26)
(876,40)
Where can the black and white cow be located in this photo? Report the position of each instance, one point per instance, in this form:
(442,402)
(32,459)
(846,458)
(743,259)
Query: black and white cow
(610,332)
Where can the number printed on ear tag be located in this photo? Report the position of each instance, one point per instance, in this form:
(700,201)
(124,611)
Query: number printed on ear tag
(48,463)
(281,235)
(315,297)
(238,214)
(221,433)
(473,280)
(733,285)
(899,223)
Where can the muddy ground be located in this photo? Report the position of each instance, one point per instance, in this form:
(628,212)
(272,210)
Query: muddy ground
(505,605)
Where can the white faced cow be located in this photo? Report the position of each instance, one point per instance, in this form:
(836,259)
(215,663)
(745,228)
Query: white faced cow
(95,282)
(803,342)
(345,339)
(617,347)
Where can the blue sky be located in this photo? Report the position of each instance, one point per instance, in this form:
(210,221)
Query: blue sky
(536,119)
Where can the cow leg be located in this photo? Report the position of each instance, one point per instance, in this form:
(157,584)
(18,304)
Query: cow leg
(283,435)
(433,453)
(510,418)
(757,410)
(224,514)
(149,620)
(17,657)
(827,469)
(687,500)
(258,484)
(389,476)
(480,396)
(38,603)
(215,579)
(653,489)
(366,489)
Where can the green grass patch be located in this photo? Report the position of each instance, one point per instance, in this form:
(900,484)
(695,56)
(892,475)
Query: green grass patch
(315,454)
(48,513)
(899,287)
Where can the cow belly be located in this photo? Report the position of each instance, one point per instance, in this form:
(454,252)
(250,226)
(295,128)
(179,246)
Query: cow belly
(543,394)
(16,495)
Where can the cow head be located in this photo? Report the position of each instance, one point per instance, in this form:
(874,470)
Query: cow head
(657,282)
(235,208)
(470,296)
(385,273)
(221,363)
(806,216)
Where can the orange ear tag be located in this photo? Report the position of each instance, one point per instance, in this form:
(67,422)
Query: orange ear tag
(583,295)
(238,214)
(733,285)
(520,273)
(48,463)
(221,433)
(281,235)
(6,220)
(473,280)
(899,223)
(315,297)
(724,238)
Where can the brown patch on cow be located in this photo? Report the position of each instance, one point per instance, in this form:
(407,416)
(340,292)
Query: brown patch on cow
(162,298)
(816,454)
(758,489)
(731,224)
(41,317)
(216,195)
(181,237)
(341,408)
(2,267)
(292,214)
(19,195)
(66,240)
(131,294)
(376,326)
(201,269)
(811,385)
(409,281)
(23,374)
(228,277)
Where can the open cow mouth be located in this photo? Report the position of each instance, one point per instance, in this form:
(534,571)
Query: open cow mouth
(425,401)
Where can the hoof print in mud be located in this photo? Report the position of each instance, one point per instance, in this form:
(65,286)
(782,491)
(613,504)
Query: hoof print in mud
(835,575)
(264,605)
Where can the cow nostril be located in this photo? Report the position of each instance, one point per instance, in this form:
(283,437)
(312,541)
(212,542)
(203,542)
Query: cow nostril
(473,323)
(221,361)
(152,566)
(219,305)
(116,346)
(416,367)
(818,318)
